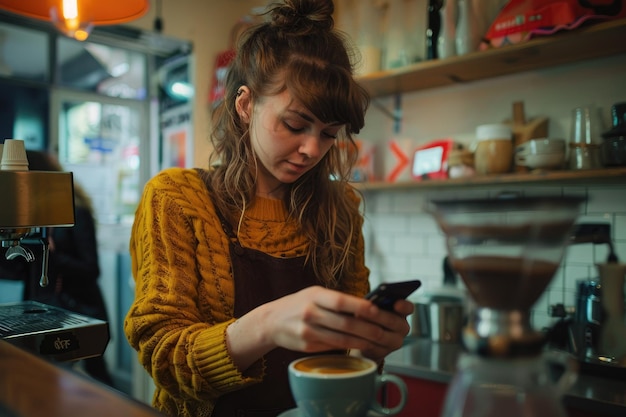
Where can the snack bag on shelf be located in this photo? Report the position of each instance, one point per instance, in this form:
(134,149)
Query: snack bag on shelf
(521,20)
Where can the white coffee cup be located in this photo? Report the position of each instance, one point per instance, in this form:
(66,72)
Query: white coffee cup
(541,153)
(341,385)
(541,145)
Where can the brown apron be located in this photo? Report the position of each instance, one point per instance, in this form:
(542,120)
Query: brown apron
(260,278)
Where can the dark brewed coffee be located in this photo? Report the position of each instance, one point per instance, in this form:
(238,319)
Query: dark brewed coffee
(505,283)
(335,364)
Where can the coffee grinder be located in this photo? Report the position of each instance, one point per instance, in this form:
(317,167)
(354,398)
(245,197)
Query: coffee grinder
(34,201)
(506,250)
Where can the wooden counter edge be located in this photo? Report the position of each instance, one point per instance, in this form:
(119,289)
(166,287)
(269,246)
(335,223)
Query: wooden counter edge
(31,387)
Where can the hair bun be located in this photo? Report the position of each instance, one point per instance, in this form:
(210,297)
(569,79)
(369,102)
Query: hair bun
(301,17)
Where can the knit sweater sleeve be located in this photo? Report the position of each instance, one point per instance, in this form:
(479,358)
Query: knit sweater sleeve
(182,305)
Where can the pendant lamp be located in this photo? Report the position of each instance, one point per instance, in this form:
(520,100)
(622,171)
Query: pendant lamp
(76,18)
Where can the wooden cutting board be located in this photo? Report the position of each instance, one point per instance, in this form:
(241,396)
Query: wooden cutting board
(525,130)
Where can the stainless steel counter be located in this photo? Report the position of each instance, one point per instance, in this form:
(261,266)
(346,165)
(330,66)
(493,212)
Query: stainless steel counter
(426,360)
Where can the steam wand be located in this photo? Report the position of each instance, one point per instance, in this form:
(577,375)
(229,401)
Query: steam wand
(43,281)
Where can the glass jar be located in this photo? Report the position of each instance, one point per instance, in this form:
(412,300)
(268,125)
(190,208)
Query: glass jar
(494,149)
(518,387)
(585,139)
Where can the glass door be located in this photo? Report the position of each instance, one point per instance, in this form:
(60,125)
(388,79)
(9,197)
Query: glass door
(103,141)
(100,140)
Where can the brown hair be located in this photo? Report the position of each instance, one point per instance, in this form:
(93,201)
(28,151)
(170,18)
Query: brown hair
(297,49)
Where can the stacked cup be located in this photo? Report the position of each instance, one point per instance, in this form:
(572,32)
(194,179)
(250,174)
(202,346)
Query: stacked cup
(541,153)
(14,156)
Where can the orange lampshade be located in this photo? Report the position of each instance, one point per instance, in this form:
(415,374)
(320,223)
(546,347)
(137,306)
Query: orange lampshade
(77,17)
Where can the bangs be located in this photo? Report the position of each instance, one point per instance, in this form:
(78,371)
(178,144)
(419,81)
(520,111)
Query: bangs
(328,91)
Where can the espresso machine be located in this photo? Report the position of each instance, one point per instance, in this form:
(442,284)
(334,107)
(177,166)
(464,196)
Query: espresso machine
(506,249)
(32,202)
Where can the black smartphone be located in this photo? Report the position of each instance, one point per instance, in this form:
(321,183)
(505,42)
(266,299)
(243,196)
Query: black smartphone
(386,294)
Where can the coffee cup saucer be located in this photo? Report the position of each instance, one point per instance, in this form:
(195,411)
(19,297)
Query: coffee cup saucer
(294,412)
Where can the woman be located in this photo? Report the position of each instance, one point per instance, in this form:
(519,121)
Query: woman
(243,268)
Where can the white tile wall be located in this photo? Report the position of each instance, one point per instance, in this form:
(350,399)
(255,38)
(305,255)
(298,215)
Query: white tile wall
(404,242)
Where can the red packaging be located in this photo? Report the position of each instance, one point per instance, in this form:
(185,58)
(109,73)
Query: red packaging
(520,20)
(430,161)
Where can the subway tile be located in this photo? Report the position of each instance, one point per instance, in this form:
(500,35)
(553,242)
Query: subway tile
(381,243)
(579,253)
(608,200)
(573,274)
(423,225)
(396,278)
(543,303)
(601,253)
(409,245)
(436,246)
(394,265)
(558,280)
(408,202)
(619,232)
(556,296)
(427,266)
(570,298)
(541,320)
(390,223)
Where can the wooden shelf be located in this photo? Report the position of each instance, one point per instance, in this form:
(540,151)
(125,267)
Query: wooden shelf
(606,176)
(593,41)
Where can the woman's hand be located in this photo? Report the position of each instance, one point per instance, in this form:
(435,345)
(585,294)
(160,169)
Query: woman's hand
(317,319)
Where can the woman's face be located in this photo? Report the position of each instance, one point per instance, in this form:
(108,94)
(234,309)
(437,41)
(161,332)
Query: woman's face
(288,141)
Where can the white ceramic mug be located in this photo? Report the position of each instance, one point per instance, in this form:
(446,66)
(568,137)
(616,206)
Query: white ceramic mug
(340,385)
(541,146)
(541,153)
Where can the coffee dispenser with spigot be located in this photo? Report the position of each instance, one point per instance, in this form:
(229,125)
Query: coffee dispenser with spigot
(506,250)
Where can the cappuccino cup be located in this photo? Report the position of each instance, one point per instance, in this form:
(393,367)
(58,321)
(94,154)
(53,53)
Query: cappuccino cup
(341,385)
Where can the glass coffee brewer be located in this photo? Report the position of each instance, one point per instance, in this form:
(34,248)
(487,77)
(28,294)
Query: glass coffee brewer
(506,250)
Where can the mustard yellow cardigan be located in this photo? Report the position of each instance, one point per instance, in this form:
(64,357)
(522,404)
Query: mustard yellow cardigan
(184,294)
